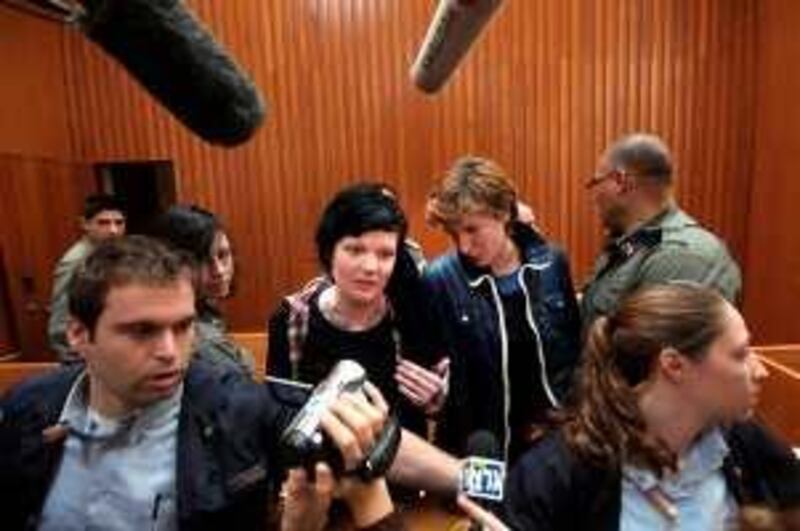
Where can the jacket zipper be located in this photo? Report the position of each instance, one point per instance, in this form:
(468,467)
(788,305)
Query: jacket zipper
(539,346)
(501,317)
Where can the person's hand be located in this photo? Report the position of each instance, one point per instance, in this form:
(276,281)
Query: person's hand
(424,388)
(306,504)
(353,423)
(526,216)
(486,520)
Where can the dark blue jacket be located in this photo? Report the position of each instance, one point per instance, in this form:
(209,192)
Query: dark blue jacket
(553,489)
(227,434)
(465,301)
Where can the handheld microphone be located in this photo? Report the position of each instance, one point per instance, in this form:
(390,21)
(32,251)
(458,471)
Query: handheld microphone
(175,58)
(483,475)
(455,26)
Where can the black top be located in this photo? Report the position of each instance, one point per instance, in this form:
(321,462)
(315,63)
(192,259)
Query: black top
(528,400)
(325,344)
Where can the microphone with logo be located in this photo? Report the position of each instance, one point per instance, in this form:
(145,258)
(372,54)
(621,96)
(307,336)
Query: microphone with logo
(483,474)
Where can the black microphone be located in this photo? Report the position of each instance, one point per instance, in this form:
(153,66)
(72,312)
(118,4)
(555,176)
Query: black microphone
(483,474)
(455,26)
(163,46)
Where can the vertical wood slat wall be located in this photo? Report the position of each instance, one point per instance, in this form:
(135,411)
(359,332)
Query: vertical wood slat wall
(772,290)
(41,189)
(547,87)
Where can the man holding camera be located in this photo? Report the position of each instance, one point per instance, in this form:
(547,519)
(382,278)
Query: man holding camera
(141,436)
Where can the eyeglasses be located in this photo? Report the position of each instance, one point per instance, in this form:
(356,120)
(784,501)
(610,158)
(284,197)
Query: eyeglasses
(598,178)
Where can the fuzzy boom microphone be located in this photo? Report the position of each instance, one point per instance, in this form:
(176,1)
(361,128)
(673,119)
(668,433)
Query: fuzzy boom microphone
(164,47)
(455,26)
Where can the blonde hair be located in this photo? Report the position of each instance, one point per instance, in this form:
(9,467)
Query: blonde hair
(472,184)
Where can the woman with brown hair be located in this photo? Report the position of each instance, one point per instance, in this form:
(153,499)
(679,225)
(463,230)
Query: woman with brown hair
(659,437)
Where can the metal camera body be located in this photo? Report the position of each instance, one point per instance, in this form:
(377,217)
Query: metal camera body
(303,442)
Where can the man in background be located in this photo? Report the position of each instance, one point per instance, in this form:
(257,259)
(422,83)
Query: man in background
(103,218)
(650,239)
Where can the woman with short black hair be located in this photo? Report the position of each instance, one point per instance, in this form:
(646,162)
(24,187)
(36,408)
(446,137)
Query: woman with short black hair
(357,308)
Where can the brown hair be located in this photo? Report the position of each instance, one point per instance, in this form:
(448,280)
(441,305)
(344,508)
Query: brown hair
(473,184)
(621,351)
(117,262)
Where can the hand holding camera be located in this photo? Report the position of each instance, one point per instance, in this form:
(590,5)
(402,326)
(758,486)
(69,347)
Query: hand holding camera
(341,443)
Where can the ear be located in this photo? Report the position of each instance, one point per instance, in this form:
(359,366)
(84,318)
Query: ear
(672,365)
(78,336)
(625,181)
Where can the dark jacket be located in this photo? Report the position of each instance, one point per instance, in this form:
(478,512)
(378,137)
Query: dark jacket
(227,432)
(551,488)
(465,305)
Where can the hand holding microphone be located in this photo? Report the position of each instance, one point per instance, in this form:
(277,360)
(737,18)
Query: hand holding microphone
(482,480)
(480,516)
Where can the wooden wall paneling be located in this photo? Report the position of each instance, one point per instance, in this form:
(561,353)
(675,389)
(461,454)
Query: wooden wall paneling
(33,120)
(41,202)
(772,268)
(547,86)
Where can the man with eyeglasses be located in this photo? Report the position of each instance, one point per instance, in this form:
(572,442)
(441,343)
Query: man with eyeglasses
(650,239)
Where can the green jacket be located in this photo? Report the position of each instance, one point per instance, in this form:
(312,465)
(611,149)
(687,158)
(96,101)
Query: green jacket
(672,246)
(59,307)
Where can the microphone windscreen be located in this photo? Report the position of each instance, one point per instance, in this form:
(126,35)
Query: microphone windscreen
(483,443)
(163,46)
(455,26)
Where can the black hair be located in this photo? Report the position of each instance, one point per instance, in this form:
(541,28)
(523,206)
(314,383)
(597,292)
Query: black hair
(357,209)
(96,203)
(190,229)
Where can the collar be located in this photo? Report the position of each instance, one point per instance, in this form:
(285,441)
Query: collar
(670,219)
(84,423)
(704,457)
(646,235)
(527,240)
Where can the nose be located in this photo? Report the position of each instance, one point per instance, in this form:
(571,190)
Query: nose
(464,244)
(369,263)
(216,267)
(167,347)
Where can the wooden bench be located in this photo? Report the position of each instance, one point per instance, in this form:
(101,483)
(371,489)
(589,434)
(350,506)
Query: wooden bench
(780,392)
(778,406)
(257,343)
(13,372)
